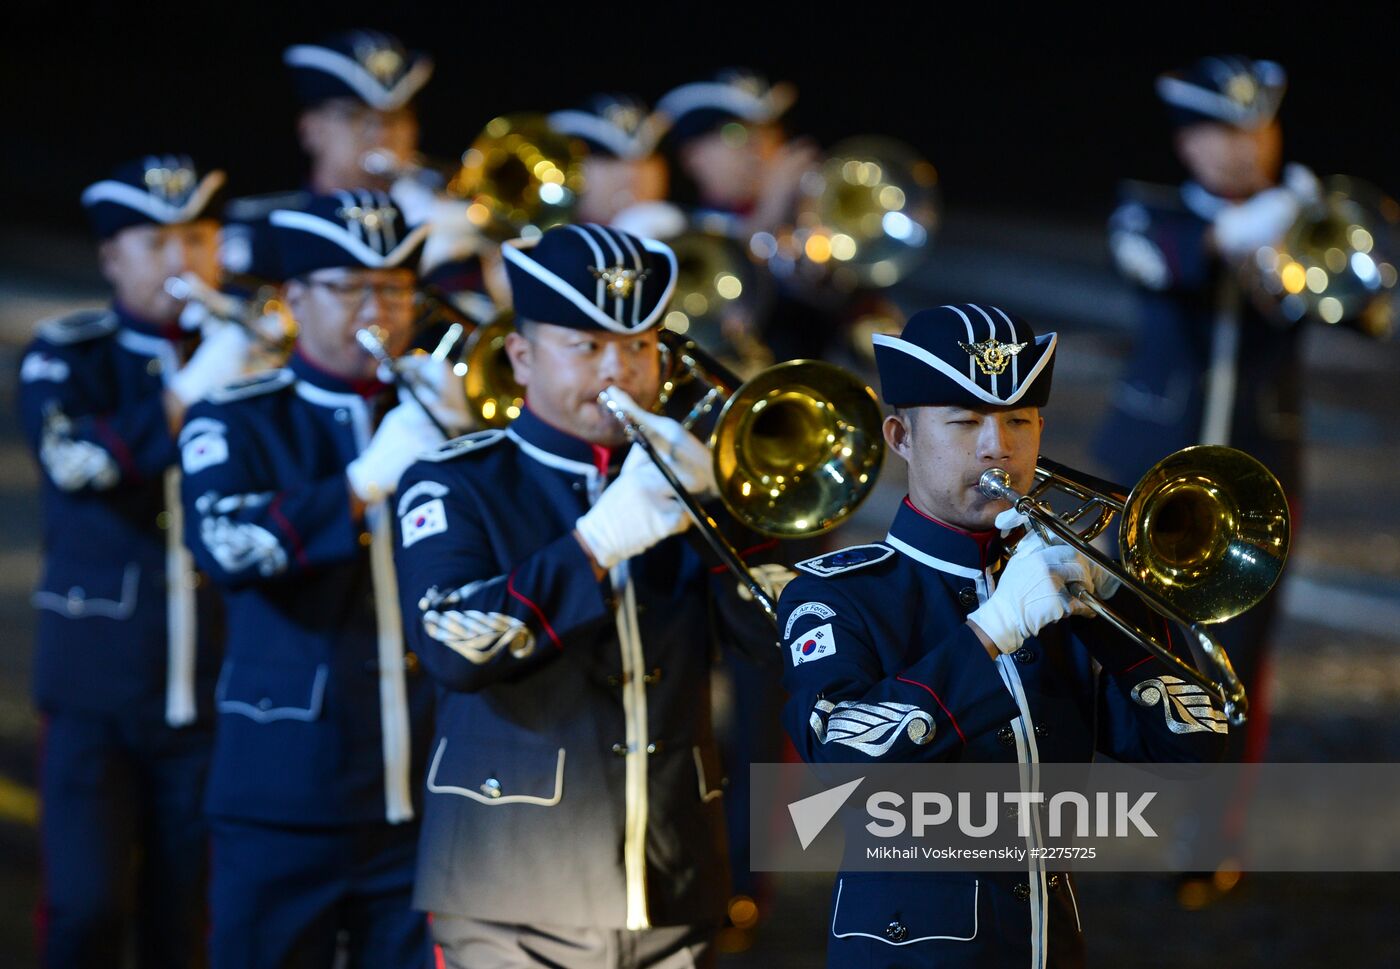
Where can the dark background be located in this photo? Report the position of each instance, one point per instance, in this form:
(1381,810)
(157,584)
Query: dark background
(1032,113)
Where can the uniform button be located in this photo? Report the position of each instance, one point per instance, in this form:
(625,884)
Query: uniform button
(619,750)
(365,539)
(153,368)
(1053,881)
(653,677)
(1013,810)
(265,703)
(1024,655)
(491,787)
(656,747)
(1006,737)
(411,663)
(163,520)
(577,486)
(616,680)
(967,597)
(1021,891)
(896,931)
(1042,731)
(342,416)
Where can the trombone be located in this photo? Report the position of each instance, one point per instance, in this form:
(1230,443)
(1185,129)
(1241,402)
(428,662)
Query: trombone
(1204,537)
(796,448)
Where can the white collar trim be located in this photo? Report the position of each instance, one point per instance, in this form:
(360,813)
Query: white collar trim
(930,561)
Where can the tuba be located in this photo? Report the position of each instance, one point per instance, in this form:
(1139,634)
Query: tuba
(1337,263)
(796,448)
(1204,536)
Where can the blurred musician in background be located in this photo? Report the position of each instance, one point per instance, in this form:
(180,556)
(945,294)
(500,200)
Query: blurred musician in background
(127,633)
(358,127)
(625,180)
(323,716)
(1211,365)
(573,812)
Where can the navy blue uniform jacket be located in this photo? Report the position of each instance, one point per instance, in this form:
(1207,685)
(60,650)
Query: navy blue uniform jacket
(574,778)
(881,666)
(323,719)
(125,626)
(1157,236)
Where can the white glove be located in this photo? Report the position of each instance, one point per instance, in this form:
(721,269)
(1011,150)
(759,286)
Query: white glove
(1263,220)
(403,434)
(1304,185)
(633,513)
(682,451)
(221,359)
(1031,593)
(1104,583)
(439,388)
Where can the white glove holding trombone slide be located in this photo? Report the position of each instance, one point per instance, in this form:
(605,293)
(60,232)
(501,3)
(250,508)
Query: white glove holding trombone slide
(1037,587)
(640,508)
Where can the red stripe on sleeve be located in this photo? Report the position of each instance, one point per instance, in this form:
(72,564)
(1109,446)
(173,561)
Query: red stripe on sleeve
(275,511)
(510,587)
(952,719)
(115,446)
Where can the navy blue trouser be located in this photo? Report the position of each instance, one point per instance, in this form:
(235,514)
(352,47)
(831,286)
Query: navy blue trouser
(287,898)
(123,841)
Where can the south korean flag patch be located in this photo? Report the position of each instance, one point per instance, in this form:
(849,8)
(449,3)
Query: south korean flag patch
(429,518)
(815,644)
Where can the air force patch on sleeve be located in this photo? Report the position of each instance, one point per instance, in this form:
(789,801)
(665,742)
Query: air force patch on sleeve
(813,645)
(429,518)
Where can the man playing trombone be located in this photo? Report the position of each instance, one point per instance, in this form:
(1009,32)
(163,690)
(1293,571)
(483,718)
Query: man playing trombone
(937,645)
(323,715)
(573,812)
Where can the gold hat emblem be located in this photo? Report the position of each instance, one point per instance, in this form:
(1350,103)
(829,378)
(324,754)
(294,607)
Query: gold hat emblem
(992,356)
(1242,89)
(373,218)
(173,184)
(384,63)
(619,281)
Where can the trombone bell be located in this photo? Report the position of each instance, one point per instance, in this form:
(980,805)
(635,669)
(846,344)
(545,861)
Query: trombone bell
(797,448)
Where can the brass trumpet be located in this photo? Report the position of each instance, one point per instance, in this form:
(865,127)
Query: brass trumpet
(1204,537)
(796,448)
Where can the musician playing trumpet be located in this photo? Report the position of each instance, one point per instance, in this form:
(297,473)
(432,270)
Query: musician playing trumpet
(939,645)
(324,717)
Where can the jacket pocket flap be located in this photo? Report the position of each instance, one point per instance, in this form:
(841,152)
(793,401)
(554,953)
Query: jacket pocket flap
(944,911)
(495,773)
(267,693)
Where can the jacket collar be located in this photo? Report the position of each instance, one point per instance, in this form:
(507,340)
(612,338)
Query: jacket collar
(941,546)
(164,331)
(318,376)
(559,449)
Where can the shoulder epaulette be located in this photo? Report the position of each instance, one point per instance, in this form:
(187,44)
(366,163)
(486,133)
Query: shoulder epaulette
(77,327)
(465,444)
(254,386)
(845,560)
(255,208)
